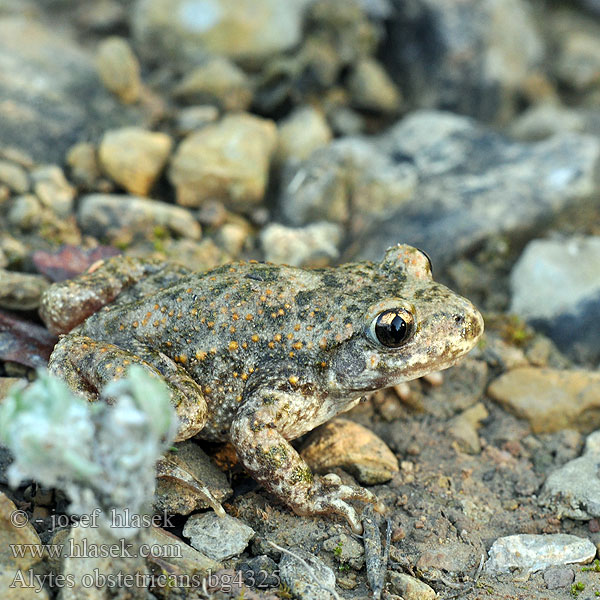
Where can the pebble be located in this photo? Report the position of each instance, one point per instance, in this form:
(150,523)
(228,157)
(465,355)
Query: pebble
(410,588)
(232,237)
(472,186)
(368,458)
(349,181)
(188,559)
(10,564)
(577,65)
(543,120)
(315,245)
(134,157)
(53,189)
(83,162)
(119,69)
(190,118)
(464,428)
(227,161)
(475,68)
(26,212)
(14,176)
(371,88)
(301,133)
(550,399)
(558,577)
(573,490)
(346,550)
(302,582)
(177,490)
(216,81)
(21,291)
(530,553)
(219,538)
(186,31)
(118,217)
(568,313)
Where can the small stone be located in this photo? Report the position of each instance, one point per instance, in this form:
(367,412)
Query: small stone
(410,588)
(346,550)
(573,490)
(372,89)
(217,80)
(219,538)
(21,291)
(578,61)
(134,157)
(26,212)
(550,399)
(544,120)
(315,245)
(53,189)
(83,162)
(346,444)
(14,176)
(567,313)
(464,428)
(530,553)
(228,161)
(102,16)
(301,133)
(233,236)
(119,69)
(195,117)
(176,490)
(300,581)
(116,217)
(558,577)
(20,533)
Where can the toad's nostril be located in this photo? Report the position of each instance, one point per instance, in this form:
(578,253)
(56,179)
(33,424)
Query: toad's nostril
(458,319)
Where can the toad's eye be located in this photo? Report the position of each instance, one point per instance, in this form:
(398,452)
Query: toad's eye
(394,327)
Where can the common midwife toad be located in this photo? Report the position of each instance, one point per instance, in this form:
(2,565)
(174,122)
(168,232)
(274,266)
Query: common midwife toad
(259,354)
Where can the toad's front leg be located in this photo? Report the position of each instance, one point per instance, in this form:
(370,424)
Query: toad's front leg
(273,462)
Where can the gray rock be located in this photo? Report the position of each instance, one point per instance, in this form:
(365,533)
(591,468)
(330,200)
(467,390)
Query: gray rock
(301,133)
(51,94)
(546,119)
(474,184)
(346,550)
(573,490)
(52,188)
(187,31)
(577,65)
(302,582)
(14,176)
(410,588)
(21,291)
(26,212)
(569,312)
(349,181)
(217,537)
(530,553)
(558,577)
(194,117)
(113,216)
(372,89)
(456,54)
(315,244)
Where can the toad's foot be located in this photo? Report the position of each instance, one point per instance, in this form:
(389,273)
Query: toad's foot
(87,366)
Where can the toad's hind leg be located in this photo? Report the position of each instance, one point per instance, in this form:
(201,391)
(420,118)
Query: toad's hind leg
(87,366)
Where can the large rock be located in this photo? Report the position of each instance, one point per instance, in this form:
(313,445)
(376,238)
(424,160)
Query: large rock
(573,490)
(569,311)
(550,399)
(467,56)
(186,31)
(474,183)
(50,93)
(227,161)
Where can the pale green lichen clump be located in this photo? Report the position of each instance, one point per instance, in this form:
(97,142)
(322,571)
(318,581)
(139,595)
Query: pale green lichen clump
(102,456)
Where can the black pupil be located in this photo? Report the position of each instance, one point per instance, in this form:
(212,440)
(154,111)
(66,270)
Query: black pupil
(391,329)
